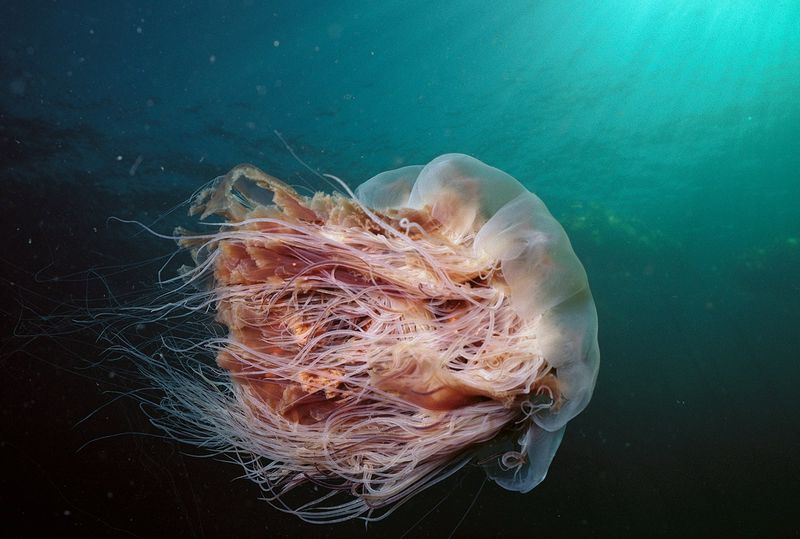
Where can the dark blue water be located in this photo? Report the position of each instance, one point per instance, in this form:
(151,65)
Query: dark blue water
(665,136)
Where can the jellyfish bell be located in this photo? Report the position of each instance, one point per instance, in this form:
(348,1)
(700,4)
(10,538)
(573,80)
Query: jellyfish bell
(377,342)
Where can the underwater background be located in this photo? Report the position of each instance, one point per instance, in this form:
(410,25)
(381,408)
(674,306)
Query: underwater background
(663,135)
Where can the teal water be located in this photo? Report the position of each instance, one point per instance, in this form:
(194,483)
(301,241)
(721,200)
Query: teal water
(664,136)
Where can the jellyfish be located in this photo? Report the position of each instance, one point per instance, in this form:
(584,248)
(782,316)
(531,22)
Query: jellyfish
(376,342)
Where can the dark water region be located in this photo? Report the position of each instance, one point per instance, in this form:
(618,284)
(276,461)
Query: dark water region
(663,136)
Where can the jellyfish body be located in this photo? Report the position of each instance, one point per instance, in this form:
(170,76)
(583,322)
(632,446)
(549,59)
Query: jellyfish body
(377,343)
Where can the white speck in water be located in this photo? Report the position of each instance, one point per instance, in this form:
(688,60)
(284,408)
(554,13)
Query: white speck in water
(136,163)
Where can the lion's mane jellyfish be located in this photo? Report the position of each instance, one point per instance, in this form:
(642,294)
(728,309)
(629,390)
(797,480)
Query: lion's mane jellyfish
(376,343)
